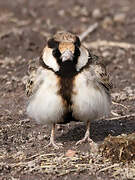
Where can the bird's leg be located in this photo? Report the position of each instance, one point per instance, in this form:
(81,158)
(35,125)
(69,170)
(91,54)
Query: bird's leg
(52,141)
(87,134)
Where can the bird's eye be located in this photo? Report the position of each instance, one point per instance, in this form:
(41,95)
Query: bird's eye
(77,42)
(52,43)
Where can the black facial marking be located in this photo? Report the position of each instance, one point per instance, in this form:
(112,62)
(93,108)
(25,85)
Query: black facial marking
(52,43)
(77,42)
(56,53)
(76,55)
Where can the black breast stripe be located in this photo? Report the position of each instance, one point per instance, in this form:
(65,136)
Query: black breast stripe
(66,73)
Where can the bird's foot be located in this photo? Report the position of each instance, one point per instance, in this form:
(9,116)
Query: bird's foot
(55,145)
(86,138)
(94,146)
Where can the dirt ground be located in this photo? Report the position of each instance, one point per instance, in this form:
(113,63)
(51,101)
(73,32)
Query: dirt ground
(24,29)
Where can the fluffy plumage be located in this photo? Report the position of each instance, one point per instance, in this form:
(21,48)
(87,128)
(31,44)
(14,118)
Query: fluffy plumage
(69,82)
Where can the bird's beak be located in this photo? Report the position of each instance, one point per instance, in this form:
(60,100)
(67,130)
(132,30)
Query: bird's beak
(67,55)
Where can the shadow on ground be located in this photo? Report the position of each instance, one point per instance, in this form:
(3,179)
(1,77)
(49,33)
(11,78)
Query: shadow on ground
(99,130)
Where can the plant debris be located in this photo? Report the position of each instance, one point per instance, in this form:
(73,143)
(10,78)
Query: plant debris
(120,148)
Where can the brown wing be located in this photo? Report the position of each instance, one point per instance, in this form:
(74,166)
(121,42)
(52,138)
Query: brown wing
(32,69)
(33,65)
(102,76)
(30,85)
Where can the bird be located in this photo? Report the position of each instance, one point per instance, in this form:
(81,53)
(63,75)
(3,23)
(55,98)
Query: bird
(69,83)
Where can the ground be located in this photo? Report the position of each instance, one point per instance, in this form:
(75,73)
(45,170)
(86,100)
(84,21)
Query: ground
(24,29)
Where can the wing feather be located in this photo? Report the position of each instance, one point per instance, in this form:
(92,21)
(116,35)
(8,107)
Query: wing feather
(32,83)
(99,69)
(102,76)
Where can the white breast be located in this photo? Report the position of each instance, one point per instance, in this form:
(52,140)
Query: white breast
(89,100)
(46,105)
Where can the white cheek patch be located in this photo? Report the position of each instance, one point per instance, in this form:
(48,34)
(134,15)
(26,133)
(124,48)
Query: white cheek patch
(83,58)
(49,59)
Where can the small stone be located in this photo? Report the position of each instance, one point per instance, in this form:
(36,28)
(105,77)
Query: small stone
(123,96)
(75,12)
(40,137)
(84,11)
(119,18)
(130,61)
(128,90)
(61,12)
(84,19)
(70,153)
(97,14)
(115,95)
(20,112)
(106,54)
(107,22)
(120,53)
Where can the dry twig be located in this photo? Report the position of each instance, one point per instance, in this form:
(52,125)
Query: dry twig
(119,104)
(121,117)
(90,29)
(114,113)
(98,43)
(108,167)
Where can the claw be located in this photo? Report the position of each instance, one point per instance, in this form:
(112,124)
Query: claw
(55,145)
(52,142)
(84,140)
(86,137)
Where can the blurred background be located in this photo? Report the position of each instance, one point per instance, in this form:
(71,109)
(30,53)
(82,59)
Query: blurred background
(27,23)
(25,26)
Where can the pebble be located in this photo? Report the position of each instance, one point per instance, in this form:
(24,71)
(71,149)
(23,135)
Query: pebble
(119,18)
(84,19)
(130,61)
(107,22)
(106,54)
(128,90)
(84,11)
(61,12)
(40,137)
(75,11)
(79,11)
(96,14)
(123,96)
(120,53)
(70,153)
(115,96)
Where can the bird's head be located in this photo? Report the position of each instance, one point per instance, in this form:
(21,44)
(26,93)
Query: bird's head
(64,49)
(64,45)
